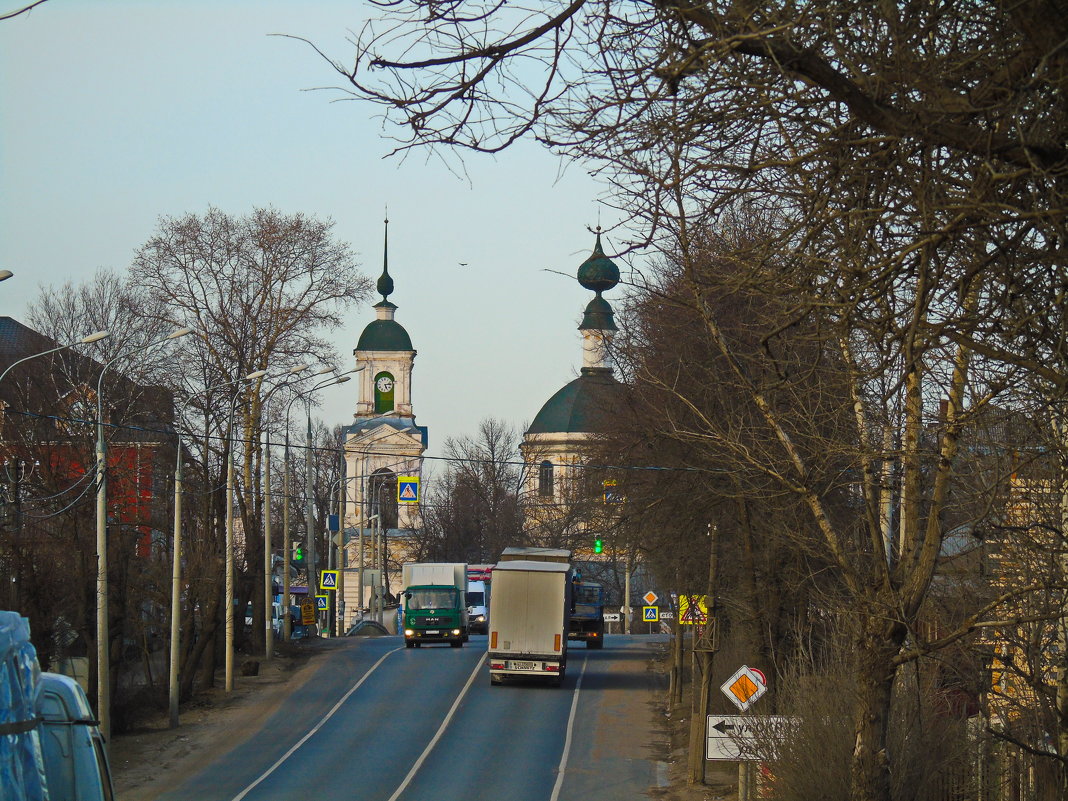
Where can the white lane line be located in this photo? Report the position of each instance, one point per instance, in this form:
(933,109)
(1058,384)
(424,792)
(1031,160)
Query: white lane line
(567,739)
(318,726)
(441,730)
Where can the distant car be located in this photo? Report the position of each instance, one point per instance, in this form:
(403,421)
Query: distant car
(75,762)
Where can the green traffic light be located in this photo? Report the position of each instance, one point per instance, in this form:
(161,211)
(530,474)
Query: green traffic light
(598,546)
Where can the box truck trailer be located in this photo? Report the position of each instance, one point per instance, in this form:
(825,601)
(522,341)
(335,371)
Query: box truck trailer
(528,629)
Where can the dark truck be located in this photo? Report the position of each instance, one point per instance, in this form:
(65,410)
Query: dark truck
(587,616)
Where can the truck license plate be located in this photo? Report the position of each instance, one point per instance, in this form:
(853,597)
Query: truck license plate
(432,631)
(522,666)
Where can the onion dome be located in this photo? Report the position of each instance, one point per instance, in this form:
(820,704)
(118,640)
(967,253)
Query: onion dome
(598,273)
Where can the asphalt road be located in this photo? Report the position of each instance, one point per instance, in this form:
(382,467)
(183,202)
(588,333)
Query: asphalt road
(379,722)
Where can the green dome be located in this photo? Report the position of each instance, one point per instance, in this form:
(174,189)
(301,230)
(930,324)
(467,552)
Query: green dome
(384,335)
(598,273)
(586,405)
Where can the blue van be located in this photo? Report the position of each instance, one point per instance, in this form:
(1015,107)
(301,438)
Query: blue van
(75,762)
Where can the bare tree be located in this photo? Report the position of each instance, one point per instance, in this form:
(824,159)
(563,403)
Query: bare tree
(910,161)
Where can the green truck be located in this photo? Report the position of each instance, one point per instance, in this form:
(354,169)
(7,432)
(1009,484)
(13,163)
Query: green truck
(435,603)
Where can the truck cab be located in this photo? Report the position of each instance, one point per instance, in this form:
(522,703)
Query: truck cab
(434,613)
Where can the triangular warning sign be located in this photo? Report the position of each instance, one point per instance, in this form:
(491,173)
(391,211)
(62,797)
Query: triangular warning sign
(408,492)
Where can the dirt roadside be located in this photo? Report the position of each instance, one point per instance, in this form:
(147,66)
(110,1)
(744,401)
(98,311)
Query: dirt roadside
(155,759)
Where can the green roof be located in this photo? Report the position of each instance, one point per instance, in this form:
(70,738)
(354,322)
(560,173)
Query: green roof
(586,405)
(384,335)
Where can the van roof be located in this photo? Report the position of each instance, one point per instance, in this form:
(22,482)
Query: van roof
(66,700)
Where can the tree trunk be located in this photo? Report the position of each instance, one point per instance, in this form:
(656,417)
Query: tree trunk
(869,772)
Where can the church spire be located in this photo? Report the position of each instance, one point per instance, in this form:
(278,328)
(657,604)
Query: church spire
(385,283)
(598,274)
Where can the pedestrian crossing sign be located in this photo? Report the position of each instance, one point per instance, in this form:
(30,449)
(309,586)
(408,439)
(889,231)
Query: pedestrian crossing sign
(408,489)
(328,580)
(693,610)
(322,602)
(650,614)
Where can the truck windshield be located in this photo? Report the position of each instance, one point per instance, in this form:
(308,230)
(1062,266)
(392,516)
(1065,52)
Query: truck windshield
(432,599)
(473,599)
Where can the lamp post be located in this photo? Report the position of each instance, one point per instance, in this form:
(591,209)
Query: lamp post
(103,661)
(309,511)
(268,605)
(95,337)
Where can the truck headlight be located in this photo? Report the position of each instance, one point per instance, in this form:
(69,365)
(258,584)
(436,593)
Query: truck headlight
(455,632)
(409,632)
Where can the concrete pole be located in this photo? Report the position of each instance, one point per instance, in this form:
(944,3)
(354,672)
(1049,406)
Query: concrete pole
(268,596)
(287,624)
(626,596)
(309,513)
(103,656)
(230,564)
(360,558)
(339,560)
(176,589)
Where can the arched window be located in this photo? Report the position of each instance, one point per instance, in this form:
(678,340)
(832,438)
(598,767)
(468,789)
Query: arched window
(545,479)
(384,497)
(384,389)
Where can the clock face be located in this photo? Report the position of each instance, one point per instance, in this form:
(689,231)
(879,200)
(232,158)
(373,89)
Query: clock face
(384,384)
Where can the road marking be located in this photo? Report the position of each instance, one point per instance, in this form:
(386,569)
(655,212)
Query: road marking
(318,726)
(441,730)
(567,739)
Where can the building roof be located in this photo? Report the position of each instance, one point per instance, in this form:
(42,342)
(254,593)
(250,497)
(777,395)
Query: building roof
(585,405)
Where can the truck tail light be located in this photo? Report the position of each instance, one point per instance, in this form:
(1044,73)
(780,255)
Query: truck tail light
(556,643)
(493,640)
(496,665)
(552,668)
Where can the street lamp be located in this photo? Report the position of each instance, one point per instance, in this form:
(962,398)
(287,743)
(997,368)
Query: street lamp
(268,604)
(103,663)
(5,274)
(309,500)
(95,337)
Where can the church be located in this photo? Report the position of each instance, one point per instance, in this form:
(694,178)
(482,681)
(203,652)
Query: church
(564,503)
(382,445)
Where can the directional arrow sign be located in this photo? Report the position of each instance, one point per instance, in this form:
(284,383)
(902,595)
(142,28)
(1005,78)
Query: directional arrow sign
(740,738)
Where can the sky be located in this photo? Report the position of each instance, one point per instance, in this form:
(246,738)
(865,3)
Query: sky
(114,113)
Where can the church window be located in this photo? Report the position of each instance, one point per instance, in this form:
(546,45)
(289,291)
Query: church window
(545,479)
(384,389)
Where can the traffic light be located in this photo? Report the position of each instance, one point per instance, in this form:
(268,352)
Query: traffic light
(298,553)
(598,545)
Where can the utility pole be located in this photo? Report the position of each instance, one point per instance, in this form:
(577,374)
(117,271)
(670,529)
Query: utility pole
(309,518)
(703,649)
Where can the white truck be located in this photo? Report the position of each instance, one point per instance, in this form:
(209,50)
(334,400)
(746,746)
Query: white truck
(478,598)
(528,629)
(435,603)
